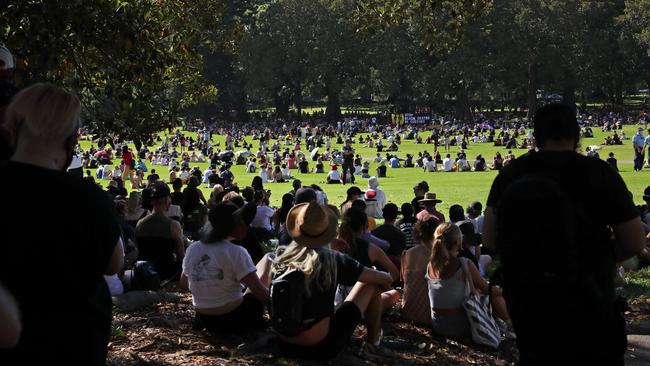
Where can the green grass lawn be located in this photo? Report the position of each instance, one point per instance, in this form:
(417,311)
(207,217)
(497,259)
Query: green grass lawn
(452,188)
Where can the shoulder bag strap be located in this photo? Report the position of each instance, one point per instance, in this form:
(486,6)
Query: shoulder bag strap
(468,276)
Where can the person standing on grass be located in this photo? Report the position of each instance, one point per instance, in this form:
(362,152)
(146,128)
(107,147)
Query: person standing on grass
(646,144)
(638,143)
(348,162)
(75,235)
(558,261)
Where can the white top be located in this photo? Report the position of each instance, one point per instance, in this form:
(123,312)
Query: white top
(263,217)
(430,166)
(447,164)
(215,272)
(206,175)
(264,176)
(380,197)
(334,175)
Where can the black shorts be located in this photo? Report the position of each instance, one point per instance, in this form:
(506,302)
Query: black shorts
(342,325)
(248,316)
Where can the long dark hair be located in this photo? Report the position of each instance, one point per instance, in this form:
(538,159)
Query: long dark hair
(257,183)
(354,222)
(287,204)
(190,199)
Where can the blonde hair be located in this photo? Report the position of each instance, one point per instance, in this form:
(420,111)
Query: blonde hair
(445,238)
(43,112)
(320,269)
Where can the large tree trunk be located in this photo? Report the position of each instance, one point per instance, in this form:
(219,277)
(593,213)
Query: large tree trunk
(531,90)
(569,91)
(281,105)
(618,90)
(333,104)
(463,112)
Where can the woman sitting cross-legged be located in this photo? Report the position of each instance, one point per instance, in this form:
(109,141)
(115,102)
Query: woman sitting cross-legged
(217,270)
(324,331)
(448,286)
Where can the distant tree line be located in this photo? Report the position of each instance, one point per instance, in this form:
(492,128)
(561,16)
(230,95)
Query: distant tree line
(142,65)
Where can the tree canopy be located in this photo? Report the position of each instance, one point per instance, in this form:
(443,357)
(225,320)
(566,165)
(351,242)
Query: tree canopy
(140,66)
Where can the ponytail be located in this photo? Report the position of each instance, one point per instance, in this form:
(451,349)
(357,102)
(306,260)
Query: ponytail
(445,238)
(439,254)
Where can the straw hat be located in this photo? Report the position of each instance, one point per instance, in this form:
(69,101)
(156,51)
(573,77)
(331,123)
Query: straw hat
(430,197)
(311,225)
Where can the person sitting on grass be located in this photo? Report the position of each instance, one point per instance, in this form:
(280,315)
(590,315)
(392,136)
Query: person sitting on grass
(389,232)
(214,270)
(428,204)
(159,238)
(406,223)
(447,281)
(326,331)
(304,166)
(334,176)
(353,231)
(611,160)
(448,164)
(365,170)
(415,300)
(319,165)
(277,175)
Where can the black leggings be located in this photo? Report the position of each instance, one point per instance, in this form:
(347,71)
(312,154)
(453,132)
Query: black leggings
(347,166)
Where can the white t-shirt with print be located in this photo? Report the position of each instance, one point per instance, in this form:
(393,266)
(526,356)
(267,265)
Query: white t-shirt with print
(215,272)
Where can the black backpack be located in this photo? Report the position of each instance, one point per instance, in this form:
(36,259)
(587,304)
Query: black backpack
(287,296)
(548,243)
(143,277)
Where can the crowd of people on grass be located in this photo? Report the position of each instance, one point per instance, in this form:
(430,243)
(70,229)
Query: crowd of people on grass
(313,269)
(330,267)
(281,151)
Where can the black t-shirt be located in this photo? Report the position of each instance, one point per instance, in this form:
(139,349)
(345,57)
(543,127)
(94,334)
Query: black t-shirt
(406,226)
(60,234)
(393,236)
(590,182)
(320,303)
(177,198)
(348,153)
(599,191)
(304,166)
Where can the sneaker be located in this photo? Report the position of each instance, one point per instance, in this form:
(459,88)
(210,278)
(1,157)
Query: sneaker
(369,349)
